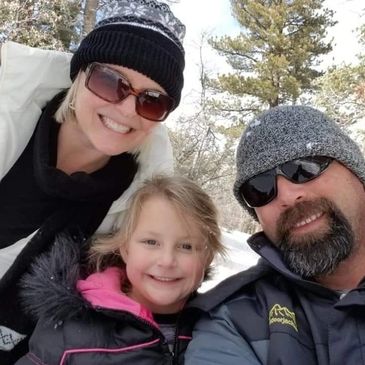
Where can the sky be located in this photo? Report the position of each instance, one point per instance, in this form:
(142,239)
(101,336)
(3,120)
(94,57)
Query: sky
(214,16)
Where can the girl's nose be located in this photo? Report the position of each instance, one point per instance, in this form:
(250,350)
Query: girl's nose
(167,257)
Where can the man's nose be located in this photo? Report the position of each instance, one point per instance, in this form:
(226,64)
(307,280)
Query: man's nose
(289,193)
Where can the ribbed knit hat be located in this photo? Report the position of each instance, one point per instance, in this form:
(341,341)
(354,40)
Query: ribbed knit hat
(285,133)
(143,35)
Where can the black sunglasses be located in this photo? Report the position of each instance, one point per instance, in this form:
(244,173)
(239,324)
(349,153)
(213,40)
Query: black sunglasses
(109,85)
(262,188)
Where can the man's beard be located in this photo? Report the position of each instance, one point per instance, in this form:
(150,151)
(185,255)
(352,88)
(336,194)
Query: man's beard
(320,252)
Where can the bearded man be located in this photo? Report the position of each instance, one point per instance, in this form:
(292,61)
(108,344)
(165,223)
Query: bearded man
(303,179)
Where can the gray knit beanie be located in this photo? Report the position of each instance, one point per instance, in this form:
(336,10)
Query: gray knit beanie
(285,133)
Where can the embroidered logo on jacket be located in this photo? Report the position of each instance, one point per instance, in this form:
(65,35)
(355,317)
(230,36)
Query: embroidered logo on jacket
(9,338)
(282,315)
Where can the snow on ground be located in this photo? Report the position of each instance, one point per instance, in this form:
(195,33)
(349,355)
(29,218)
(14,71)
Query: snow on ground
(239,257)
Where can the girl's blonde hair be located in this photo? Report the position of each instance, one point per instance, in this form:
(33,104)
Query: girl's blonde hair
(186,196)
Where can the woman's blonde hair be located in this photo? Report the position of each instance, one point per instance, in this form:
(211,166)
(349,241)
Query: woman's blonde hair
(66,110)
(186,196)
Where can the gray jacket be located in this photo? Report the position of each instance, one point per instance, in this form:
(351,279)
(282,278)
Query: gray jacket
(268,315)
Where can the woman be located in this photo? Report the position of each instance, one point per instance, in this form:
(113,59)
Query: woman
(73,164)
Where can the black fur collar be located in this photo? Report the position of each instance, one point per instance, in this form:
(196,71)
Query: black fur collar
(48,291)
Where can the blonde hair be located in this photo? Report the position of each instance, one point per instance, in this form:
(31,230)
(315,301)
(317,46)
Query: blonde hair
(186,196)
(66,110)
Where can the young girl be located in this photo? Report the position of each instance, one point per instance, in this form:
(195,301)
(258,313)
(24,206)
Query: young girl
(130,310)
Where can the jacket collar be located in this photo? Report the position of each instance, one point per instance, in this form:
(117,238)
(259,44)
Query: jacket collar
(270,263)
(272,257)
(229,287)
(103,290)
(264,247)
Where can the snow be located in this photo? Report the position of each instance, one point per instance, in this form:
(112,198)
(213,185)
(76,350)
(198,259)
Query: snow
(239,257)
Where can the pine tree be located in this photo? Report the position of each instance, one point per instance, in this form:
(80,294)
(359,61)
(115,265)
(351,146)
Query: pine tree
(341,90)
(275,57)
(39,23)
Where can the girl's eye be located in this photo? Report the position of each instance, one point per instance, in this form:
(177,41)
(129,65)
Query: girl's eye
(150,242)
(186,247)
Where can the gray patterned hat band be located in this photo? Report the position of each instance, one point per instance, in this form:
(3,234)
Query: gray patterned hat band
(149,14)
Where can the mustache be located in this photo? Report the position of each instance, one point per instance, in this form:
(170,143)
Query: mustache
(300,211)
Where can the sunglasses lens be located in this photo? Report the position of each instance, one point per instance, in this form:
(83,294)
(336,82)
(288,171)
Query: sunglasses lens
(154,105)
(111,86)
(106,84)
(305,169)
(259,190)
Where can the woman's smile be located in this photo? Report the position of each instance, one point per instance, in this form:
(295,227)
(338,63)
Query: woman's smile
(114,126)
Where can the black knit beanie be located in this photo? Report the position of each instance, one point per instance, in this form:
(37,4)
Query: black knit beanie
(143,35)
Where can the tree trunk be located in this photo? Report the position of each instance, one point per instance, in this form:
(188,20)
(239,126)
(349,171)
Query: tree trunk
(89,15)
